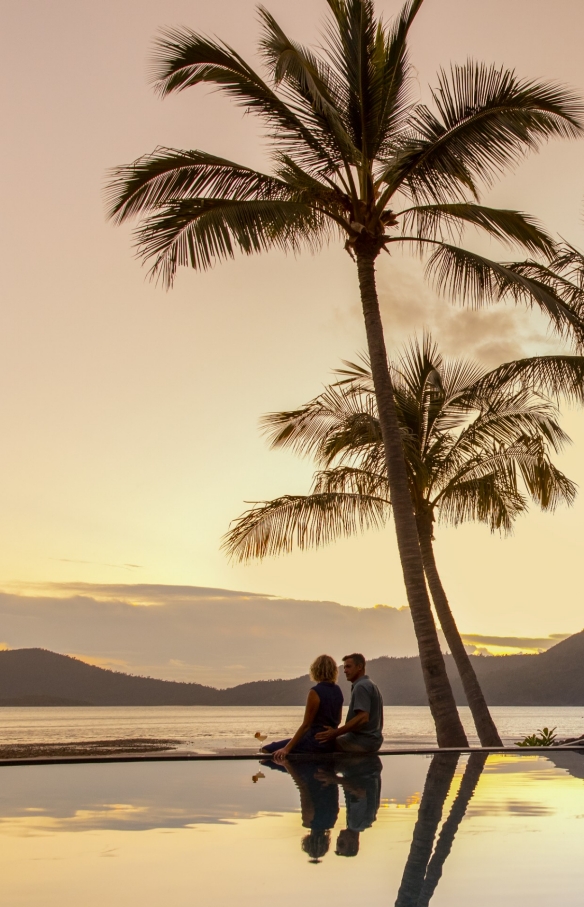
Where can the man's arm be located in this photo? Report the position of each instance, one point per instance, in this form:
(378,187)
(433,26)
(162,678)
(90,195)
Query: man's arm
(354,724)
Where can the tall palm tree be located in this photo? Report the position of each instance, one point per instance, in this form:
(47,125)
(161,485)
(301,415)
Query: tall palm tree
(357,159)
(467,439)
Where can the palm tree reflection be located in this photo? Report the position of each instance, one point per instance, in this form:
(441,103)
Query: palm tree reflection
(425,862)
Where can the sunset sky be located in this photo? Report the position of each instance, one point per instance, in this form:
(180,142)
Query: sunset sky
(130,415)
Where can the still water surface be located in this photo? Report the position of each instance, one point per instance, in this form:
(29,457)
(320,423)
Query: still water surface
(403,830)
(209,729)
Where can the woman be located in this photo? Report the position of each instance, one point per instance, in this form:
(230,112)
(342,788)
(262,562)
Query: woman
(324,707)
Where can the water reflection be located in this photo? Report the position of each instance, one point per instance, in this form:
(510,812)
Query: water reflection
(409,830)
(360,779)
(318,786)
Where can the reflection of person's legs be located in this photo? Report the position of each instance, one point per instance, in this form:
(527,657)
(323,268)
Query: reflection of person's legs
(347,843)
(349,743)
(272,747)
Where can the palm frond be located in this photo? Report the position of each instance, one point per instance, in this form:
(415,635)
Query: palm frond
(545,483)
(477,280)
(458,375)
(569,262)
(357,432)
(310,521)
(550,277)
(198,232)
(349,480)
(351,42)
(509,418)
(311,85)
(492,500)
(183,58)
(307,429)
(168,175)
(449,220)
(486,120)
(554,376)
(391,82)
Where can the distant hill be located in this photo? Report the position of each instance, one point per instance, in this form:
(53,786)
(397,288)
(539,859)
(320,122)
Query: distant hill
(37,677)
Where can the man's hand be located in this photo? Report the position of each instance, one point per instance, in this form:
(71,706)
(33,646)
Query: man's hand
(329,733)
(326,776)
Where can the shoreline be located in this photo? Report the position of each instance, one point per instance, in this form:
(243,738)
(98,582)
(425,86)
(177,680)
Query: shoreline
(163,750)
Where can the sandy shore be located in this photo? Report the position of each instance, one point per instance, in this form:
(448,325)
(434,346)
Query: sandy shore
(88,748)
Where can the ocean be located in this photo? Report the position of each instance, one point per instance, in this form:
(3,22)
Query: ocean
(208,729)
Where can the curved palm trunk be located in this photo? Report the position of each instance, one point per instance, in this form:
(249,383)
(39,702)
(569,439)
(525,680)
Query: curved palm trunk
(487,731)
(449,729)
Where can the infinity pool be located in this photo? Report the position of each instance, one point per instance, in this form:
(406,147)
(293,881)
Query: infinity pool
(402,830)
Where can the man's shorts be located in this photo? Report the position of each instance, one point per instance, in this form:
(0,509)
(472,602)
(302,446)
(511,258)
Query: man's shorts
(354,743)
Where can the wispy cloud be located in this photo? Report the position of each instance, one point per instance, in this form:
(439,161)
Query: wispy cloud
(68,560)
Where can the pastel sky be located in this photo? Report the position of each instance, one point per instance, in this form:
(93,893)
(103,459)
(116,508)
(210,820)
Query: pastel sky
(129,415)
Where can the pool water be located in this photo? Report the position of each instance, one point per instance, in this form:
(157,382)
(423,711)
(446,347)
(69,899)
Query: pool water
(404,830)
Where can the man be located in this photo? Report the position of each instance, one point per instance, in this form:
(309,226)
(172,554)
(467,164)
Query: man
(362,731)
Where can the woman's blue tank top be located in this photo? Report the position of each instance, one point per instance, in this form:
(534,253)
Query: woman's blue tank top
(331,701)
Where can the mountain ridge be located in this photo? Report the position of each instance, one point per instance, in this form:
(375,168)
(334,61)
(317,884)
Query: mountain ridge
(39,677)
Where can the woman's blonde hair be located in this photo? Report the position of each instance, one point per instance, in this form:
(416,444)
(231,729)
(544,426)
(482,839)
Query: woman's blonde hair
(324,668)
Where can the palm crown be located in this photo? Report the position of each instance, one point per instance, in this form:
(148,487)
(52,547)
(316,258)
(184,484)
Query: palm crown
(474,450)
(353,154)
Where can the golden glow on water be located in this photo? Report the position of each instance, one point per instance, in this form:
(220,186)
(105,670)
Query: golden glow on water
(209,833)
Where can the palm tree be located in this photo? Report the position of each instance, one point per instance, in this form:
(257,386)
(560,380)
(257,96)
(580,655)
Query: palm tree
(458,468)
(355,158)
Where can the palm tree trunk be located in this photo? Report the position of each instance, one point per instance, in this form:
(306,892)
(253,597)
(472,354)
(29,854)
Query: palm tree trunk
(487,731)
(449,729)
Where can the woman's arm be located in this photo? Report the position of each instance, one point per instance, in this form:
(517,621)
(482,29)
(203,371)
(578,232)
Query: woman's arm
(312,704)
(306,802)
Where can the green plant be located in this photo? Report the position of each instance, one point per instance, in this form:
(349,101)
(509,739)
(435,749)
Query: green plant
(543,737)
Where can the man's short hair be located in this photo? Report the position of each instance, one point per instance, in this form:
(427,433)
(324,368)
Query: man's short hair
(356,658)
(347,843)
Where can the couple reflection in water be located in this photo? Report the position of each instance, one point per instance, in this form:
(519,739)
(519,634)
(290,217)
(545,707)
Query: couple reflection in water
(318,784)
(360,779)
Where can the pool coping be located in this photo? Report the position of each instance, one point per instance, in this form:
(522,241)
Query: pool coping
(259,757)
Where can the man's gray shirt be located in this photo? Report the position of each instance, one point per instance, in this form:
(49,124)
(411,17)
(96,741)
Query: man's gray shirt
(365,697)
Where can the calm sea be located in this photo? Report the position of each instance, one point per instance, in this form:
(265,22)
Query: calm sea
(209,729)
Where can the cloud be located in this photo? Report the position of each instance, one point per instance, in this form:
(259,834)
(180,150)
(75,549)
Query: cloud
(530,643)
(219,637)
(68,560)
(491,335)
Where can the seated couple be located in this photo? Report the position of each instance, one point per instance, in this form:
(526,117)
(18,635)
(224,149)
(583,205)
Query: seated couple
(321,730)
